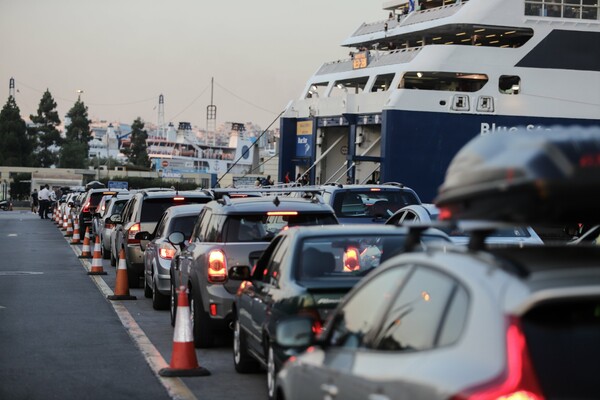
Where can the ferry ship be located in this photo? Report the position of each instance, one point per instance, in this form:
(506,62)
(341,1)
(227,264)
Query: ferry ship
(419,85)
(181,152)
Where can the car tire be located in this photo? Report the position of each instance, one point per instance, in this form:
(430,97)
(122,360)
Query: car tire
(173,303)
(147,288)
(203,334)
(159,300)
(105,253)
(133,277)
(242,360)
(271,373)
(113,260)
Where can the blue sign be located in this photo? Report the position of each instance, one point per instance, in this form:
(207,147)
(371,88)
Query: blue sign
(304,144)
(118,185)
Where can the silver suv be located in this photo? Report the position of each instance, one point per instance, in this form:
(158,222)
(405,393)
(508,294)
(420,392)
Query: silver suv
(232,232)
(141,213)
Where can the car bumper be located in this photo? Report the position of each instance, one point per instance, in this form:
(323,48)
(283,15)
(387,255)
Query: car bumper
(135,257)
(223,300)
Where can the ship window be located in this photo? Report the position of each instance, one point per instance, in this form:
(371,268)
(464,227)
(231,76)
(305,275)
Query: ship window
(444,81)
(316,90)
(509,84)
(574,9)
(350,86)
(382,83)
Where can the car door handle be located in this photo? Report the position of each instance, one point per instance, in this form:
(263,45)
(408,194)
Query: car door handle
(331,390)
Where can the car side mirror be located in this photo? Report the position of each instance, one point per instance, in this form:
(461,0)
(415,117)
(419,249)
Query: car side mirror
(177,239)
(295,332)
(239,273)
(144,238)
(116,219)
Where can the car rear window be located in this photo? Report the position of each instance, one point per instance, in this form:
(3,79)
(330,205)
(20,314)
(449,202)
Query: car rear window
(563,339)
(371,203)
(183,224)
(342,257)
(153,209)
(262,227)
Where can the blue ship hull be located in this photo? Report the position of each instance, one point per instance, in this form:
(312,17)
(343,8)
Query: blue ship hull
(417,147)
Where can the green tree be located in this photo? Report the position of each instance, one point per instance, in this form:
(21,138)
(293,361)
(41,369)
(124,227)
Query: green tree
(15,146)
(47,137)
(137,151)
(74,151)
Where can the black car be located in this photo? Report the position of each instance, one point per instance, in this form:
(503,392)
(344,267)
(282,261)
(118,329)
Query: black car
(305,271)
(89,203)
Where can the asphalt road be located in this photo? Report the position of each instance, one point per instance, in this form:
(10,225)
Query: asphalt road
(60,338)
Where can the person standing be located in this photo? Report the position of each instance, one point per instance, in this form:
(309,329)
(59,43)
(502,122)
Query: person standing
(44,199)
(34,201)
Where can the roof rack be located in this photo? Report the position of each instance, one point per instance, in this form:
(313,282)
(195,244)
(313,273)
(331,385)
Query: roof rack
(400,185)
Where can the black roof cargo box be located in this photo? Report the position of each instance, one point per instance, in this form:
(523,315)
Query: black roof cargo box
(543,176)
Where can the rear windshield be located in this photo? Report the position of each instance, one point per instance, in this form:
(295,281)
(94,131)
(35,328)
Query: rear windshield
(368,203)
(349,257)
(183,225)
(262,228)
(118,206)
(564,343)
(153,209)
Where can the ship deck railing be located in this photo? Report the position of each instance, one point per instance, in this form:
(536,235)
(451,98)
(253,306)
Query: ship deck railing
(377,59)
(414,17)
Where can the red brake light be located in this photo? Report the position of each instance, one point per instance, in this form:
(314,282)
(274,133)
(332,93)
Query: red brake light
(86,207)
(217,267)
(375,189)
(445,214)
(351,262)
(518,382)
(213,309)
(317,323)
(135,228)
(166,251)
(178,198)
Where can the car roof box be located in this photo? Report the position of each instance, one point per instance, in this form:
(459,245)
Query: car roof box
(95,185)
(526,176)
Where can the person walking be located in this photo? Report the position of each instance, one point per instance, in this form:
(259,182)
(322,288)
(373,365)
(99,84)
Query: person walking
(34,201)
(44,200)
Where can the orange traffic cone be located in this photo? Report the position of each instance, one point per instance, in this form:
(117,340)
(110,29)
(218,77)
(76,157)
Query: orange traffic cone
(122,284)
(183,359)
(76,236)
(56,216)
(97,268)
(85,250)
(64,223)
(69,227)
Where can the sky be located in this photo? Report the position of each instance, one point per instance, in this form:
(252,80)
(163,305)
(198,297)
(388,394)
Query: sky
(124,53)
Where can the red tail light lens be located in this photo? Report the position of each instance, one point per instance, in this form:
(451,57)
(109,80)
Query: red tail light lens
(351,262)
(217,266)
(86,207)
(166,251)
(135,228)
(445,214)
(317,327)
(518,382)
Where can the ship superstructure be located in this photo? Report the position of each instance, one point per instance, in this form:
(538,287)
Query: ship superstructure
(420,84)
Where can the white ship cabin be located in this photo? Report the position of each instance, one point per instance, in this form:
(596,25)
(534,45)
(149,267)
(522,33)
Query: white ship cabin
(421,83)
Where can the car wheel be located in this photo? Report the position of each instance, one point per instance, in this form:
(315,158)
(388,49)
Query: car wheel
(105,253)
(133,277)
(242,360)
(113,260)
(159,300)
(201,323)
(173,303)
(271,372)
(147,288)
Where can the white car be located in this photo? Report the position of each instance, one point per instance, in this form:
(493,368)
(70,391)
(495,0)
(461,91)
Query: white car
(428,213)
(453,323)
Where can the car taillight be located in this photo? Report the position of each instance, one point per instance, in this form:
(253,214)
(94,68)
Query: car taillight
(217,267)
(518,382)
(166,251)
(86,207)
(135,228)
(351,262)
(317,326)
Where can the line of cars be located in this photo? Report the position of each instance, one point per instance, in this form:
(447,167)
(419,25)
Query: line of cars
(432,310)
